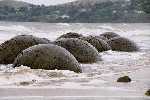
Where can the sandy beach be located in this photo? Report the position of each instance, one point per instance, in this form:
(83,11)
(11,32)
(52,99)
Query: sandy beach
(98,80)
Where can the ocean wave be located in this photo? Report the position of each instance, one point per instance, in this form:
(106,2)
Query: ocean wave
(63,24)
(15,28)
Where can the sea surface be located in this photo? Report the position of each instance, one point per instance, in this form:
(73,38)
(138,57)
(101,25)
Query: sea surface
(98,80)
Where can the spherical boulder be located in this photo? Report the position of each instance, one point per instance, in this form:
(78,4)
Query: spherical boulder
(83,51)
(124,79)
(98,43)
(102,37)
(11,48)
(109,35)
(122,44)
(49,57)
(70,35)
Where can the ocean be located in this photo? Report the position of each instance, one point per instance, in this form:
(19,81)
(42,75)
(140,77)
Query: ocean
(98,80)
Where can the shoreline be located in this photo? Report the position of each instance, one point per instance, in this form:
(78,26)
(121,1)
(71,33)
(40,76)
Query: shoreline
(60,92)
(114,91)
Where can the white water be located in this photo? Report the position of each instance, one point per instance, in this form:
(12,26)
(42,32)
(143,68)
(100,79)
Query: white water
(98,79)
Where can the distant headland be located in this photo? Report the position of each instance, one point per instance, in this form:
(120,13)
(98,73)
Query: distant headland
(80,11)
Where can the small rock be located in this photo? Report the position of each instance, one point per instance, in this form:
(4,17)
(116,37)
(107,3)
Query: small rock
(25,83)
(124,79)
(147,93)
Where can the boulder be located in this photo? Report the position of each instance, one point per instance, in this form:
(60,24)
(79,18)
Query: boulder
(70,35)
(102,37)
(83,51)
(11,48)
(124,79)
(147,93)
(109,35)
(98,43)
(122,44)
(49,57)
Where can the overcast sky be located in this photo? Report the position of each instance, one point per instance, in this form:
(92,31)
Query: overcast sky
(47,2)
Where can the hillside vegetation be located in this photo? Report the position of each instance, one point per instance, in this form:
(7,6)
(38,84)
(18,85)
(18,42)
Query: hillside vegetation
(78,11)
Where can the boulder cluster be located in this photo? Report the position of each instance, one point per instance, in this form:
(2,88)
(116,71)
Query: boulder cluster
(65,53)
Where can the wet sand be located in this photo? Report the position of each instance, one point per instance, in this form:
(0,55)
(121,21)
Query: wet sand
(115,91)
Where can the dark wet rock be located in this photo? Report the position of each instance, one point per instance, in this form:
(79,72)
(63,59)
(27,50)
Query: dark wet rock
(109,35)
(70,35)
(147,93)
(82,50)
(49,57)
(98,43)
(122,44)
(11,48)
(25,83)
(124,79)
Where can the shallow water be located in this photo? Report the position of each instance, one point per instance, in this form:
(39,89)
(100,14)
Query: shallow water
(98,80)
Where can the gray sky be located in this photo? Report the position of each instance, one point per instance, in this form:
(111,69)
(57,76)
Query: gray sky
(47,2)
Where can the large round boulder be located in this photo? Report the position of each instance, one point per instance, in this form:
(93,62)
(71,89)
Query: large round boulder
(122,44)
(11,48)
(70,35)
(109,35)
(98,43)
(83,51)
(49,57)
